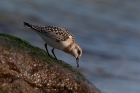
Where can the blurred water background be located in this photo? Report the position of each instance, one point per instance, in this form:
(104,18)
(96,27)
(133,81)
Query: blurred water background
(107,30)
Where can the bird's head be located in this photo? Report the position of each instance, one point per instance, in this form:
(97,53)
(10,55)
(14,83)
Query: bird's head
(77,53)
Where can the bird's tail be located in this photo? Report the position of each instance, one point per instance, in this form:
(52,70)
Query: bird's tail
(34,27)
(27,25)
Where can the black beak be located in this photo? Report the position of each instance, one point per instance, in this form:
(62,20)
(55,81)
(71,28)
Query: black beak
(77,60)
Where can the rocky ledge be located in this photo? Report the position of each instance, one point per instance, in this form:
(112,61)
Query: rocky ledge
(27,69)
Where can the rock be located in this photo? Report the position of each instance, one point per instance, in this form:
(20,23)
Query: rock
(27,69)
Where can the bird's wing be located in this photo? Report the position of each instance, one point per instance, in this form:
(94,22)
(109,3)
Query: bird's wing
(56,33)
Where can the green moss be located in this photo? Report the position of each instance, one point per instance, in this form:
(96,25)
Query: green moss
(18,42)
(25,46)
(14,43)
(3,91)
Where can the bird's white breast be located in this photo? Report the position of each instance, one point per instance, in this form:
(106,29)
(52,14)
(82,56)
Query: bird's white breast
(53,43)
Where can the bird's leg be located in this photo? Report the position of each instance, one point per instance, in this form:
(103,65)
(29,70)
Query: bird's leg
(77,60)
(47,49)
(54,54)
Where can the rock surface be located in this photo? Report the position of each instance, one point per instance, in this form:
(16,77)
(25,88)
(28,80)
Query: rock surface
(28,69)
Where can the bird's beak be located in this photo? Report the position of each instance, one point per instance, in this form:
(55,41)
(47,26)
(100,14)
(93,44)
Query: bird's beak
(77,60)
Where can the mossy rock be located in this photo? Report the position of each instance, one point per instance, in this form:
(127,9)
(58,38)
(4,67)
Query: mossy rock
(28,69)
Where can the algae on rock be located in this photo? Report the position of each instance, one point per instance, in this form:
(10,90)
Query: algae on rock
(27,69)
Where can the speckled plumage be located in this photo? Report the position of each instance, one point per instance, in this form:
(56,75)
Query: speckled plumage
(54,32)
(58,38)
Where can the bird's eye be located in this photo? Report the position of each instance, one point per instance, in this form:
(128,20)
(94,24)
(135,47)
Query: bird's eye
(79,52)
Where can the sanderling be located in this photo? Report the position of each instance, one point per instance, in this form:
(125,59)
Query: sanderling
(58,38)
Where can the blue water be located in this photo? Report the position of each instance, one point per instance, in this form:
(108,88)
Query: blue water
(108,31)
